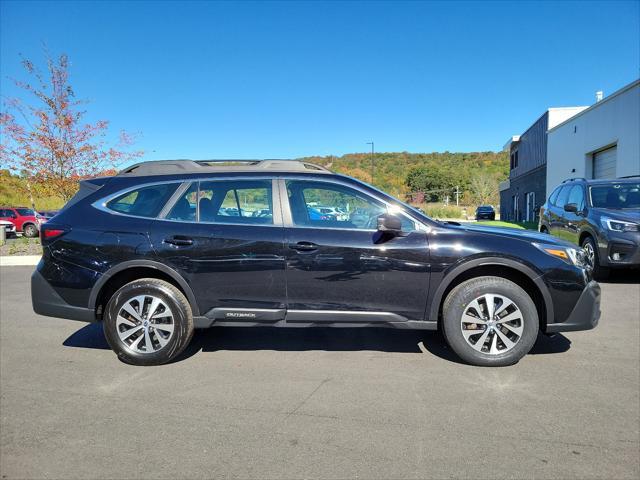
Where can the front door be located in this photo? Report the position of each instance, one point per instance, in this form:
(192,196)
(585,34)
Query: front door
(225,240)
(574,220)
(340,267)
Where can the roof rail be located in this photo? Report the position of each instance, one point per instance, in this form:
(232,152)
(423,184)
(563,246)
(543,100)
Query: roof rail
(572,179)
(630,176)
(168,167)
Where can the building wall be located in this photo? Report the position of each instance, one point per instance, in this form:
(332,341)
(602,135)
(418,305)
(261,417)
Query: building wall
(533,181)
(532,148)
(612,121)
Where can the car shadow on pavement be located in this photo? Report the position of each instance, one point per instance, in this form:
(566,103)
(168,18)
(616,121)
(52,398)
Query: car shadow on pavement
(630,276)
(309,339)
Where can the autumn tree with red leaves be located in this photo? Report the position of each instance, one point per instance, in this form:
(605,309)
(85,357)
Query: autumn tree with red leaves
(47,140)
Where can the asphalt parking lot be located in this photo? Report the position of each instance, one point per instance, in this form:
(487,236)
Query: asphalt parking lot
(317,403)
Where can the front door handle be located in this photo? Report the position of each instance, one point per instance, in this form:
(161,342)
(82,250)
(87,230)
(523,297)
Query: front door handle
(304,246)
(179,241)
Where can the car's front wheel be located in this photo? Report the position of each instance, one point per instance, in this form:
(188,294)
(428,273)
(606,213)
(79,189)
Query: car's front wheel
(148,322)
(591,250)
(490,321)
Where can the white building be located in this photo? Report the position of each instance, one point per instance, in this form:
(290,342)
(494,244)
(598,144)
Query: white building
(602,141)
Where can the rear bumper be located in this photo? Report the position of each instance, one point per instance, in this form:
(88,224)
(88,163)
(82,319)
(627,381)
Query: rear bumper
(46,301)
(585,314)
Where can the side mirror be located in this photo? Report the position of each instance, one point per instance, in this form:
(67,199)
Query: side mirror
(390,224)
(571,207)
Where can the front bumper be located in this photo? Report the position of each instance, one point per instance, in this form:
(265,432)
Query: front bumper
(46,301)
(585,314)
(620,249)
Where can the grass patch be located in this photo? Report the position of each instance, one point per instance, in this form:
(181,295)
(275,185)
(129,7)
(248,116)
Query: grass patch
(440,211)
(518,225)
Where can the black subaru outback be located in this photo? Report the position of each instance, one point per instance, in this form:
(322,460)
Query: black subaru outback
(166,247)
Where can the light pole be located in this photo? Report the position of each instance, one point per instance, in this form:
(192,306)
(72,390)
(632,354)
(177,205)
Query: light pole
(372,154)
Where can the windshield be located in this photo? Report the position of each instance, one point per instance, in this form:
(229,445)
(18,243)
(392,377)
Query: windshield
(25,212)
(616,195)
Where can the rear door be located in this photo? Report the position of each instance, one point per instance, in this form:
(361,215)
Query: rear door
(226,239)
(339,269)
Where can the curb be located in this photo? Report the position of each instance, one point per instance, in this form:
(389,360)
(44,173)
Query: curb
(19,260)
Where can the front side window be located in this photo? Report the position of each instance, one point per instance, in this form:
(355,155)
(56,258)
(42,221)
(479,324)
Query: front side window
(616,195)
(322,205)
(576,196)
(242,201)
(143,202)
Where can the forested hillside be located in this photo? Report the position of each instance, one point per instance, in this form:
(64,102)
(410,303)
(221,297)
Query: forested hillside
(402,173)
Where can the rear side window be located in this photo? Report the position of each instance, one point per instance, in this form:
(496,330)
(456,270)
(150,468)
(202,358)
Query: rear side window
(554,196)
(143,202)
(241,202)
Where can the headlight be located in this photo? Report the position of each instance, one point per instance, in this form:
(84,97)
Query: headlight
(618,225)
(572,256)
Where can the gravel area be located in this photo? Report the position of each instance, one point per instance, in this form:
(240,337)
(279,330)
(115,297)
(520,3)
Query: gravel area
(21,246)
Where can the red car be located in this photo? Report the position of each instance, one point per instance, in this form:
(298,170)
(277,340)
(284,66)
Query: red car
(25,219)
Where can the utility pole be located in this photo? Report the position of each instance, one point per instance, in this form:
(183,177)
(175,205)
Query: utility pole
(457,196)
(372,154)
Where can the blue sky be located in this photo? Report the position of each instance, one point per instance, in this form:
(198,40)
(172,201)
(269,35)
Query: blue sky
(289,79)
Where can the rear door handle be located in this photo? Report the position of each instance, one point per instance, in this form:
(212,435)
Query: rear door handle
(179,241)
(304,246)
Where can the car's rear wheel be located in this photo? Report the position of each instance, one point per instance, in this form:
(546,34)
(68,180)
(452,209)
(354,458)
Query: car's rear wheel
(30,230)
(591,250)
(490,321)
(148,322)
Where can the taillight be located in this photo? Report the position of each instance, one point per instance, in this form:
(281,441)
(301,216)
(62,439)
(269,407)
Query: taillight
(53,233)
(50,232)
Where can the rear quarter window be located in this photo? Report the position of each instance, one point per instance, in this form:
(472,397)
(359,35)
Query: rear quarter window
(143,202)
(554,196)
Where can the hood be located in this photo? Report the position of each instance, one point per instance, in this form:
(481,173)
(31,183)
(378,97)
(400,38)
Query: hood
(4,222)
(514,233)
(627,215)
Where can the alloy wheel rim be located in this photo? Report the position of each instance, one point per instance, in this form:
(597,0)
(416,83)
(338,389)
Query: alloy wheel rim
(588,248)
(492,324)
(145,324)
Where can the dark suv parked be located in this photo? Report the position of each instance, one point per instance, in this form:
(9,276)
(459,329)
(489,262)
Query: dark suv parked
(153,253)
(602,216)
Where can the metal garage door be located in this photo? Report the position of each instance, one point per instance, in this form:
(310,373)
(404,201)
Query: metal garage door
(604,163)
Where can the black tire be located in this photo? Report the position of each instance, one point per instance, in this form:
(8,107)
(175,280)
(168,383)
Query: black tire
(599,272)
(456,304)
(544,229)
(30,230)
(179,308)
